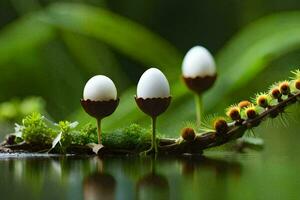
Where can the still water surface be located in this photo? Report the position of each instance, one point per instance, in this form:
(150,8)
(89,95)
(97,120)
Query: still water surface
(273,173)
(216,176)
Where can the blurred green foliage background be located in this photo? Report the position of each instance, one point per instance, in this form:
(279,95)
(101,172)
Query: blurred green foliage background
(51,48)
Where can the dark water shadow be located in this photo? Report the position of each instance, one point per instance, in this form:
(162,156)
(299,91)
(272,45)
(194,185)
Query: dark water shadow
(155,185)
(221,167)
(99,186)
(141,178)
(152,186)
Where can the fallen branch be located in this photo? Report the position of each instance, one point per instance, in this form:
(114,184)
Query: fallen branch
(199,142)
(209,139)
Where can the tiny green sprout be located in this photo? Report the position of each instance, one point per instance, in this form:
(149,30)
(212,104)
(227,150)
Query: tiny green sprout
(244,104)
(251,112)
(234,112)
(64,126)
(36,131)
(68,134)
(188,134)
(284,88)
(221,126)
(262,100)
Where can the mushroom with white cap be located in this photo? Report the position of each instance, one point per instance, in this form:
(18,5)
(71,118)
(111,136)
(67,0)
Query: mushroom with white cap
(153,84)
(100,88)
(153,98)
(199,73)
(198,62)
(99,99)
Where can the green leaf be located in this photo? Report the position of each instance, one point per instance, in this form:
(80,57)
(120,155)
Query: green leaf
(124,35)
(118,32)
(55,141)
(251,50)
(23,35)
(95,58)
(247,54)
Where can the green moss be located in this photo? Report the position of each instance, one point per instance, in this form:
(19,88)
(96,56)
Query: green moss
(36,131)
(132,137)
(88,134)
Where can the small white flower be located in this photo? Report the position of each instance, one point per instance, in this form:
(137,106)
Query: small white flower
(198,62)
(153,84)
(100,88)
(19,130)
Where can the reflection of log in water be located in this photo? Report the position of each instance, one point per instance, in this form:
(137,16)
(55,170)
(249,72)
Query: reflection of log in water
(221,167)
(153,186)
(99,186)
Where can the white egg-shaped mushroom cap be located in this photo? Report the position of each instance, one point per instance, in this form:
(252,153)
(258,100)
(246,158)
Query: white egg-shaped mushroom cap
(100,88)
(153,84)
(198,62)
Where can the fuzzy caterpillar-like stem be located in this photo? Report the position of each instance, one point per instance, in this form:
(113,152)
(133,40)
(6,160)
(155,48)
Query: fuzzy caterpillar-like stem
(179,146)
(235,130)
(239,126)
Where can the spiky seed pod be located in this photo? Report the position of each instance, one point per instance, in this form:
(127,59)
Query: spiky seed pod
(244,104)
(188,134)
(275,93)
(297,84)
(251,112)
(296,74)
(285,88)
(221,126)
(234,113)
(262,100)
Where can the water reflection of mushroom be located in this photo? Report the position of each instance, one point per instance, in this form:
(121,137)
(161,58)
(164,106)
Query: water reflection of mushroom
(99,186)
(221,167)
(153,186)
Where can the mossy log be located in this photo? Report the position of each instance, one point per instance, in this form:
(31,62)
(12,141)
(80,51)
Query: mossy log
(166,145)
